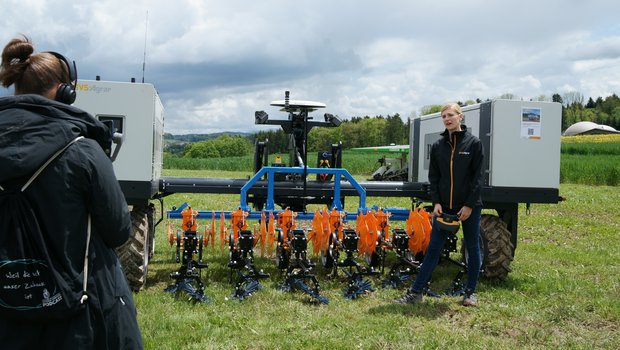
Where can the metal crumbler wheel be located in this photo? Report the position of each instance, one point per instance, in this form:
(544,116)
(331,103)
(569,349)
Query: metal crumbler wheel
(328,256)
(375,258)
(282,254)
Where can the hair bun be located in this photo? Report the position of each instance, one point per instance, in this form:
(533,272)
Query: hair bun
(20,49)
(16,57)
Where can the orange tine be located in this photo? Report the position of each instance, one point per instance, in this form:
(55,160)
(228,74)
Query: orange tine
(426,224)
(417,241)
(271,232)
(316,234)
(326,228)
(335,221)
(383,220)
(362,231)
(205,237)
(222,231)
(236,217)
(372,224)
(212,234)
(263,233)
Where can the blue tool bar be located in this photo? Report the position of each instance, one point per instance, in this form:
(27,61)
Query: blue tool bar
(396,214)
(270,171)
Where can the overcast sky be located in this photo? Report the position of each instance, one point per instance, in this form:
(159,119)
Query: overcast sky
(215,62)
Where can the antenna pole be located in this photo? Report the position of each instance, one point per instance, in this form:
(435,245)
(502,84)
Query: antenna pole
(146,28)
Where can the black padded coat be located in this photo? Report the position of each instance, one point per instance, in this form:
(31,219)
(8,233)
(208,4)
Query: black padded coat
(79,182)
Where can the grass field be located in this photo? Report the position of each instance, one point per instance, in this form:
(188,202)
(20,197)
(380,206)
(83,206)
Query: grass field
(564,293)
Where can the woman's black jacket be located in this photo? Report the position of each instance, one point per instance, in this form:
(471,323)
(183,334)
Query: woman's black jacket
(456,170)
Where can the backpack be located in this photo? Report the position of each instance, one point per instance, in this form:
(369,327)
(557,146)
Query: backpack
(33,285)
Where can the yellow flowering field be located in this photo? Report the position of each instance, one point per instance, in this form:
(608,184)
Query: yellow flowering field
(591,138)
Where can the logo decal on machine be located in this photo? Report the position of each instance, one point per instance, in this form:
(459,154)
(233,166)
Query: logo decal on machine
(93,88)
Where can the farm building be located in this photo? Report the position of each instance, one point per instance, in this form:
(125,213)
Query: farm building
(586,128)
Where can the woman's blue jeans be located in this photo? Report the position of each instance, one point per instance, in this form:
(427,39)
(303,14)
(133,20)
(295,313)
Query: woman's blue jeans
(471,234)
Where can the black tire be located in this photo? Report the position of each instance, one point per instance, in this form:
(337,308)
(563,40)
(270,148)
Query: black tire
(496,248)
(134,254)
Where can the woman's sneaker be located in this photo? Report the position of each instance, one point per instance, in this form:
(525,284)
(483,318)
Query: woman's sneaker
(470,299)
(409,298)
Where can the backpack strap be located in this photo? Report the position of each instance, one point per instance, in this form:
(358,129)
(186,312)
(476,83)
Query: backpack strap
(51,159)
(84,294)
(88,230)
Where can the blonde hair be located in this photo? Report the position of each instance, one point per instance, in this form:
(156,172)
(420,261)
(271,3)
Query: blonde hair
(31,73)
(452,105)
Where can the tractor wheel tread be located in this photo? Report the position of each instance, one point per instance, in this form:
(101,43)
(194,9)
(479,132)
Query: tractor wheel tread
(497,248)
(134,253)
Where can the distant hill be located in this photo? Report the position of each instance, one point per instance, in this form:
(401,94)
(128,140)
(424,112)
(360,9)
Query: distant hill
(201,137)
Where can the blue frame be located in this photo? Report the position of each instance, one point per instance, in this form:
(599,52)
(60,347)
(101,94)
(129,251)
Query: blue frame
(270,171)
(398,214)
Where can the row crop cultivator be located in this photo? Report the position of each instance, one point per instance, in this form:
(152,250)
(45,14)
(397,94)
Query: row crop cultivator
(327,236)
(357,251)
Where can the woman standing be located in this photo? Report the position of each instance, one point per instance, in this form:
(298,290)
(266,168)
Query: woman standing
(34,124)
(455,175)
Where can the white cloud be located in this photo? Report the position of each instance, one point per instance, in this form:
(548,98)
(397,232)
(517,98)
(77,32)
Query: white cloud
(588,66)
(567,88)
(215,63)
(531,81)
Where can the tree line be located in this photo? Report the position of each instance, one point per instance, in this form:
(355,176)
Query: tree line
(604,111)
(357,132)
(381,130)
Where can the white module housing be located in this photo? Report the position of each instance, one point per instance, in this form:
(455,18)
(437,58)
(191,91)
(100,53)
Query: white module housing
(521,141)
(137,113)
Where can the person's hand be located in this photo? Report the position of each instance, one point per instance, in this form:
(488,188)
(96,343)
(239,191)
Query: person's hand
(437,211)
(464,213)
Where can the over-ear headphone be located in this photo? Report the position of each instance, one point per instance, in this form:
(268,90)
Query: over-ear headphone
(66,91)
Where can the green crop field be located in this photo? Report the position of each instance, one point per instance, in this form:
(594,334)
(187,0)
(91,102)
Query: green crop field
(563,293)
(356,163)
(587,159)
(591,159)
